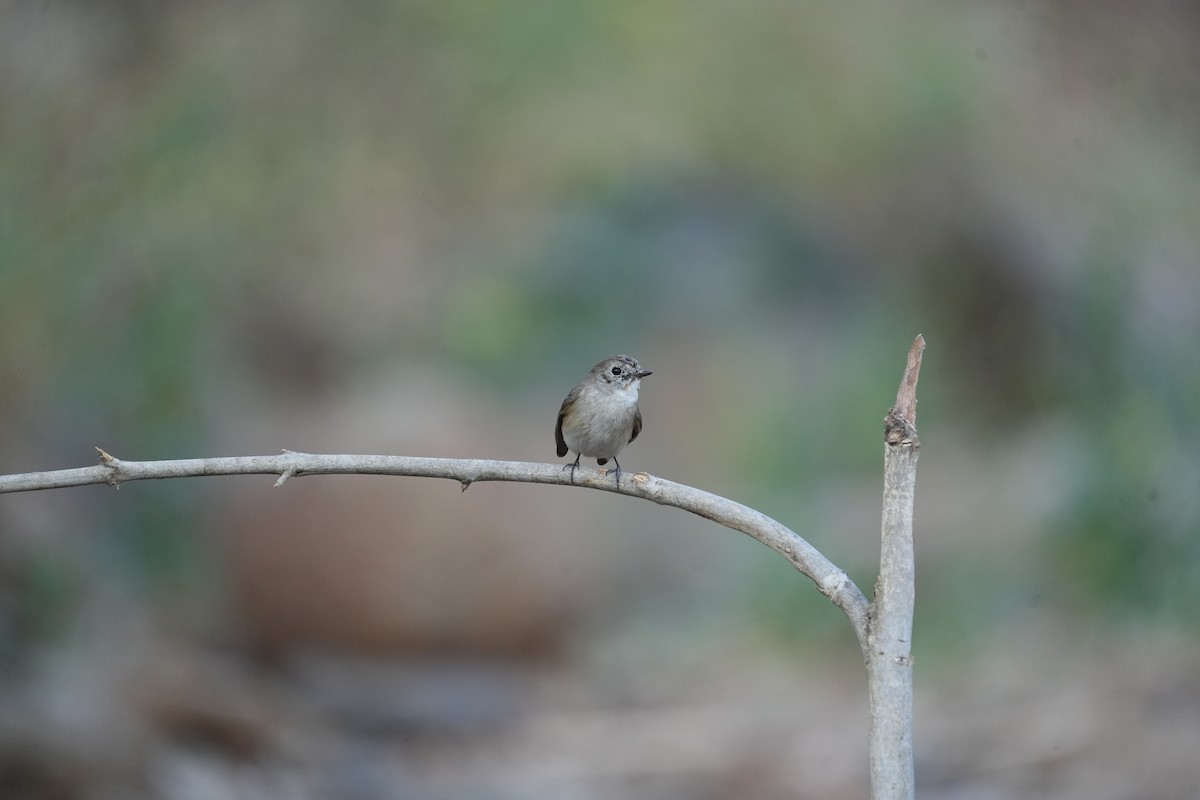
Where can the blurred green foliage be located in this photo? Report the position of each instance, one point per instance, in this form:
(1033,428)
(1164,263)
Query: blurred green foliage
(208,198)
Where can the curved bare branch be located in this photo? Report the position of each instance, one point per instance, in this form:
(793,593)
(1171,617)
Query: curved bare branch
(830,580)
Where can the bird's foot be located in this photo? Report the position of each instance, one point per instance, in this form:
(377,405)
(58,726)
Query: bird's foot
(617,471)
(572,466)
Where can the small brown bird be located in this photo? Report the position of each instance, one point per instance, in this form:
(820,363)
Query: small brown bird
(601,415)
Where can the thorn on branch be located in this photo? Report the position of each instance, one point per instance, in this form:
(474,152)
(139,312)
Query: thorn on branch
(466,481)
(114,479)
(283,476)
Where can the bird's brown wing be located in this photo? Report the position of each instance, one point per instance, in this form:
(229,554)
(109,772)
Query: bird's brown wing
(562,446)
(558,437)
(637,424)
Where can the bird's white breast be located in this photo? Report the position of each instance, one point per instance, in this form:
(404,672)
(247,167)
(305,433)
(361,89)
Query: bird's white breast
(602,422)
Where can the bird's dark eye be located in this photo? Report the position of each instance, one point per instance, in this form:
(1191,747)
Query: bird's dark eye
(616,370)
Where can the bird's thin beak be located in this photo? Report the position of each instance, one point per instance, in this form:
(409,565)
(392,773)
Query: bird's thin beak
(641,373)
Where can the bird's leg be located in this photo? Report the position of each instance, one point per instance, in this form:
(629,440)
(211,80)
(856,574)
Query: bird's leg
(616,469)
(573,465)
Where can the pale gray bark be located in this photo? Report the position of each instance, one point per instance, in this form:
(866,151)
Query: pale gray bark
(889,640)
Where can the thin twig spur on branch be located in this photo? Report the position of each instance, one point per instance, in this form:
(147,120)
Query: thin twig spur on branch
(883,627)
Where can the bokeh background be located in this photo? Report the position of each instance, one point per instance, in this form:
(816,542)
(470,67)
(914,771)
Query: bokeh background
(395,226)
